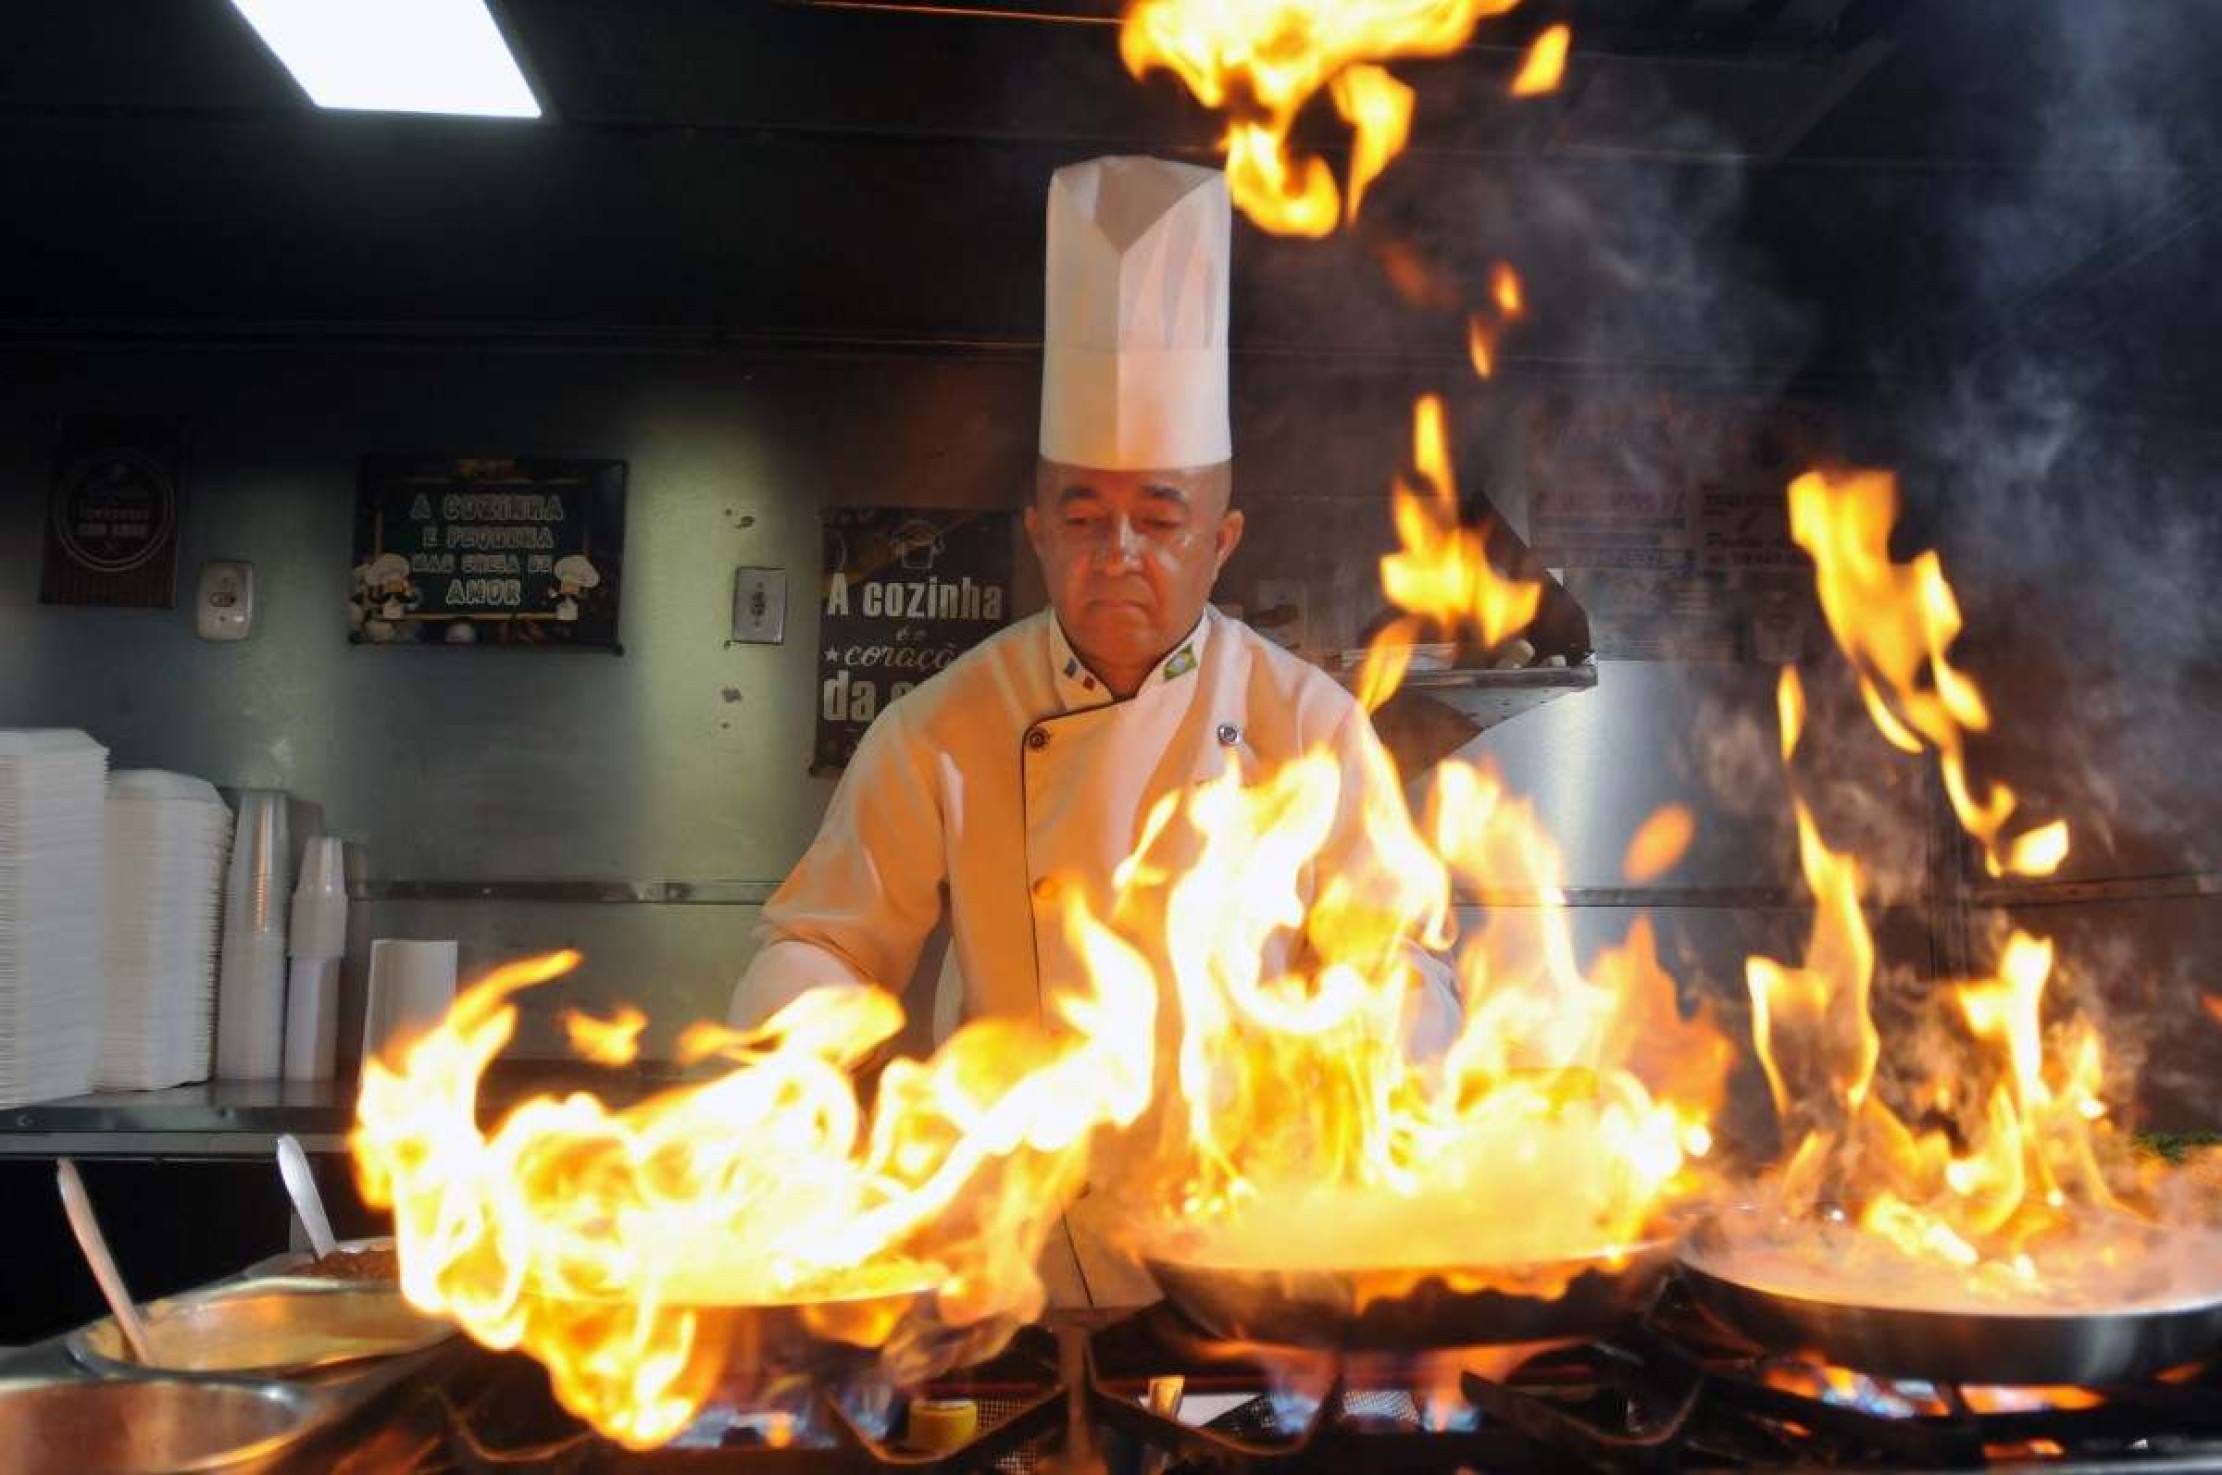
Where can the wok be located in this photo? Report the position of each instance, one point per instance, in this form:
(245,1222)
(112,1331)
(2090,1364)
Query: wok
(1404,1309)
(1959,1345)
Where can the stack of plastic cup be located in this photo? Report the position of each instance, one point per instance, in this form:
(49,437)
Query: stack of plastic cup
(318,941)
(250,989)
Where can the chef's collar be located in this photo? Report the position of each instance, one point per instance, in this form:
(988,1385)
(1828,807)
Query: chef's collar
(1079,688)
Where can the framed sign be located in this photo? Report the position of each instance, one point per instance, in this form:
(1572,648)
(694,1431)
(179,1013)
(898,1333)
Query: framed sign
(112,514)
(906,591)
(512,551)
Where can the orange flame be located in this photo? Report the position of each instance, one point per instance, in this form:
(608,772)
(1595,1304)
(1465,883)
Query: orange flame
(1379,107)
(1895,623)
(617,1245)
(2214,1005)
(1481,345)
(1659,844)
(611,1041)
(2010,1197)
(1261,61)
(1545,65)
(2031,1399)
(1505,290)
(1415,279)
(1442,572)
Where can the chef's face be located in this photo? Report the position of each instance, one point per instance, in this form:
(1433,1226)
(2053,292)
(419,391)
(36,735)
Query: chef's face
(1130,556)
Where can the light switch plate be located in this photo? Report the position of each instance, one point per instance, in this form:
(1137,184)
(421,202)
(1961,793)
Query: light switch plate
(760,606)
(224,605)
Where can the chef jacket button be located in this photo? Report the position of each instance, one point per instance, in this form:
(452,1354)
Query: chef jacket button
(1229,734)
(1037,739)
(1045,889)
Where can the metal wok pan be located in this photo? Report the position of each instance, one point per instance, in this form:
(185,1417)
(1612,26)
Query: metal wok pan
(1398,1309)
(748,1349)
(2017,1348)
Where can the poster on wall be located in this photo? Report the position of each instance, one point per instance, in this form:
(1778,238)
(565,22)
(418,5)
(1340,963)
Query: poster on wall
(112,514)
(511,551)
(906,591)
(1669,514)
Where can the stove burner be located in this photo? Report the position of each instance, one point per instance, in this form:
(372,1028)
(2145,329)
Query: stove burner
(1524,1408)
(1148,1394)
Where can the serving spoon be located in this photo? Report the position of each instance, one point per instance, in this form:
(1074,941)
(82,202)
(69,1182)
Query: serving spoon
(300,1186)
(86,1226)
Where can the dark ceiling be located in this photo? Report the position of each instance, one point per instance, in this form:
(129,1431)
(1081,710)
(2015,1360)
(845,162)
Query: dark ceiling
(1854,191)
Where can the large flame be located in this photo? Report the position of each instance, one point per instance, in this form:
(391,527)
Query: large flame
(619,1246)
(1441,570)
(1895,622)
(1261,61)
(1999,1187)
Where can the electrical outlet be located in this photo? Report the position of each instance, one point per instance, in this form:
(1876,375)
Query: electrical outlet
(760,606)
(224,607)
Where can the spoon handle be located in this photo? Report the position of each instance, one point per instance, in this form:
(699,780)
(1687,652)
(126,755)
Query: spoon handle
(86,1227)
(300,1186)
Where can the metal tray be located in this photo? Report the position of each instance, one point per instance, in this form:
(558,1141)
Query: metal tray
(144,1425)
(356,1323)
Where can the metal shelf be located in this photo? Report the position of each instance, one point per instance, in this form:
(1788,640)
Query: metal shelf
(1435,713)
(1491,697)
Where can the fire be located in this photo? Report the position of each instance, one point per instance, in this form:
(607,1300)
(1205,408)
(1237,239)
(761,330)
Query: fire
(1895,623)
(1481,345)
(612,1041)
(1659,844)
(1505,290)
(1310,1126)
(2011,1194)
(2031,1400)
(1262,61)
(1545,66)
(1560,1119)
(1442,573)
(1482,331)
(628,1248)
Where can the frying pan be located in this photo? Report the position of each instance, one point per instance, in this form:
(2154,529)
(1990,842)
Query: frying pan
(1402,1309)
(2015,1348)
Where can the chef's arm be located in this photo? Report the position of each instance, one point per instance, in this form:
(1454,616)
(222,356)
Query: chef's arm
(860,904)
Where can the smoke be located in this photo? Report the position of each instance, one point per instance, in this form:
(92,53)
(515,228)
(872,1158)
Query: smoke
(2079,521)
(2061,470)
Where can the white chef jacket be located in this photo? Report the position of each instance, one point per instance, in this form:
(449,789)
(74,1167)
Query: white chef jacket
(1014,772)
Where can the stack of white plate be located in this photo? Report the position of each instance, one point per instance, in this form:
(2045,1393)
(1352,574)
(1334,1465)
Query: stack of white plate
(167,838)
(52,789)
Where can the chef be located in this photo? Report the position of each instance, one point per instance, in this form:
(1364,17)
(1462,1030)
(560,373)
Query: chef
(1030,763)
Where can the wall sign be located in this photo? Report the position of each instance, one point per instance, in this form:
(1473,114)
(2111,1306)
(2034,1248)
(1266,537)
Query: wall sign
(524,551)
(112,515)
(906,591)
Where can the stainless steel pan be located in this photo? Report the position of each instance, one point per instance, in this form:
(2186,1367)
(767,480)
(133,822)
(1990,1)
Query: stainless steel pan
(2033,1348)
(1403,1309)
(264,1329)
(138,1426)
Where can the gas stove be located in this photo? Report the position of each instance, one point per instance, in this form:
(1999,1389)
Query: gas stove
(1145,1394)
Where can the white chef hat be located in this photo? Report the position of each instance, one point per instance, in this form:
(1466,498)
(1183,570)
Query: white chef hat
(1134,364)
